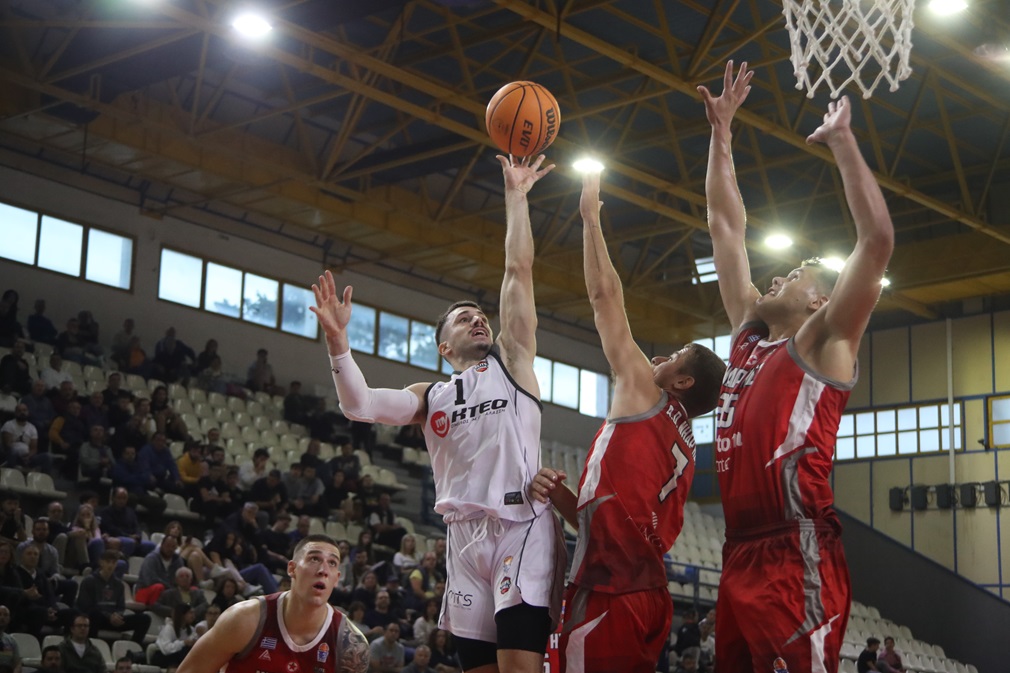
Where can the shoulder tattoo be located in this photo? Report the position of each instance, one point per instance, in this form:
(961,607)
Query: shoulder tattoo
(354,653)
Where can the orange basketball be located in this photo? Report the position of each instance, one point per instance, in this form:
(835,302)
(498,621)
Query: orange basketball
(522,119)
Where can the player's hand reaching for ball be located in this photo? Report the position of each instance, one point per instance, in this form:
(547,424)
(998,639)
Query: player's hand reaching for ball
(545,482)
(333,312)
(521,174)
(720,109)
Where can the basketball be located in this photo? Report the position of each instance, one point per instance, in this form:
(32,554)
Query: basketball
(522,119)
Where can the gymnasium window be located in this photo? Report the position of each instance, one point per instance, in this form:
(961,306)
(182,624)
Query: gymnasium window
(566,385)
(69,248)
(594,391)
(898,431)
(999,422)
(222,293)
(259,300)
(361,329)
(703,427)
(543,369)
(704,271)
(296,318)
(423,350)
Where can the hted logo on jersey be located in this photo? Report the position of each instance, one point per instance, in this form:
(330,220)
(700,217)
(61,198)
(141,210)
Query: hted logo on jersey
(481,366)
(440,423)
(779,665)
(505,585)
(322,652)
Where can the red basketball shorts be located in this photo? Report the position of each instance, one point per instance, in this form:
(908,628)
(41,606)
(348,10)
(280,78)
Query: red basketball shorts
(783,602)
(614,632)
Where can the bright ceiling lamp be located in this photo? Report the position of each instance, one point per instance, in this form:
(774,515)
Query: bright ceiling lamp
(588,165)
(947,7)
(251,24)
(833,263)
(778,242)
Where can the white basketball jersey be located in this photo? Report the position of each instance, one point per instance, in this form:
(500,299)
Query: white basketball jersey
(483,434)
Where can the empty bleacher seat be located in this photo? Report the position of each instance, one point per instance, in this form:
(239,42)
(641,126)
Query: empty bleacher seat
(28,648)
(177,507)
(236,404)
(217,400)
(336,530)
(41,484)
(197,395)
(12,480)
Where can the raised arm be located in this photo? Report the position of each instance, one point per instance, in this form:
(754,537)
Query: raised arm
(635,391)
(727,219)
(833,334)
(357,400)
(517,339)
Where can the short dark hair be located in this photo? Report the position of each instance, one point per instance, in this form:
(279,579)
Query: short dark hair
(261,453)
(110,555)
(872,641)
(445,316)
(314,537)
(50,648)
(707,369)
(826,276)
(886,638)
(126,659)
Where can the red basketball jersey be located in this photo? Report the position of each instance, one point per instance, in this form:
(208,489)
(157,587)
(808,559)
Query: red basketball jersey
(631,499)
(776,426)
(271,649)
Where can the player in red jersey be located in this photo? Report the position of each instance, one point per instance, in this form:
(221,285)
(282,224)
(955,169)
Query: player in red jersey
(784,596)
(630,505)
(291,632)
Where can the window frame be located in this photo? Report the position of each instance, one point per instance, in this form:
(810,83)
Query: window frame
(900,430)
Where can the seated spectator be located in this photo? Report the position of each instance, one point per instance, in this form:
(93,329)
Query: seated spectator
(422,657)
(191,552)
(21,443)
(386,653)
(66,435)
(250,472)
(77,653)
(71,346)
(213,378)
(277,541)
(40,328)
(165,417)
(51,660)
(368,494)
(183,591)
(11,590)
(95,412)
(10,656)
(706,646)
(41,412)
(140,428)
(311,457)
(367,591)
(120,351)
(137,480)
(229,550)
(12,519)
(88,332)
(137,361)
(305,492)
(10,328)
(38,607)
(213,440)
(336,494)
(888,659)
(204,359)
(228,593)
(49,560)
(173,358)
(270,494)
(63,396)
(53,375)
(356,613)
(362,436)
(213,500)
(15,373)
(156,459)
(114,391)
(326,425)
(87,542)
(95,457)
(382,521)
(382,612)
(190,466)
(348,463)
(57,527)
(209,618)
(119,520)
(407,558)
(301,529)
(358,568)
(296,405)
(867,660)
(443,657)
(236,492)
(176,638)
(215,455)
(260,376)
(430,574)
(427,622)
(689,634)
(158,571)
(688,662)
(440,547)
(103,599)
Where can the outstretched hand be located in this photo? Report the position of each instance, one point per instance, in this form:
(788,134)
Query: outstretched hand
(521,175)
(836,120)
(720,110)
(545,482)
(589,203)
(332,311)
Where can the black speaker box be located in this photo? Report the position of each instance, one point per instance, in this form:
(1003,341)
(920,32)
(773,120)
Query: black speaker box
(969,495)
(944,496)
(919,497)
(992,494)
(896,497)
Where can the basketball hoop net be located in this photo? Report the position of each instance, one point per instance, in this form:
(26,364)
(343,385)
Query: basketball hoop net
(873,38)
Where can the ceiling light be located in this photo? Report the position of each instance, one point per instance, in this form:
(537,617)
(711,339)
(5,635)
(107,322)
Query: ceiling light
(778,242)
(885,281)
(251,24)
(947,7)
(833,263)
(588,165)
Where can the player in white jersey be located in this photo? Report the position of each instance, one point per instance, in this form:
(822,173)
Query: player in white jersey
(482,428)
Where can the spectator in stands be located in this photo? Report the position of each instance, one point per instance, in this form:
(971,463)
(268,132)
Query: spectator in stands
(88,332)
(260,376)
(139,427)
(381,613)
(165,417)
(103,598)
(77,653)
(204,359)
(336,494)
(11,590)
(359,567)
(39,607)
(270,494)
(119,520)
(398,604)
(689,634)
(95,412)
(123,665)
(305,491)
(386,653)
(63,396)
(368,495)
(158,571)
(176,638)
(385,530)
(888,659)
(57,527)
(364,544)
(156,459)
(229,550)
(311,457)
(183,591)
(88,542)
(12,520)
(21,443)
(362,436)
(253,470)
(867,660)
(213,378)
(95,457)
(440,547)
(41,412)
(443,658)
(210,617)
(51,660)
(356,613)
(213,500)
(706,645)
(277,542)
(137,480)
(66,435)
(54,375)
(190,466)
(427,622)
(407,558)
(137,361)
(215,455)
(227,593)
(10,328)
(172,358)
(301,529)
(113,391)
(213,439)
(296,405)
(430,574)
(326,425)
(15,373)
(120,351)
(367,590)
(49,560)
(688,663)
(348,463)
(422,657)
(71,346)
(10,656)
(40,328)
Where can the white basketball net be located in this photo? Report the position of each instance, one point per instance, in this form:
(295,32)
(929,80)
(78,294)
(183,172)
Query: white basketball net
(873,38)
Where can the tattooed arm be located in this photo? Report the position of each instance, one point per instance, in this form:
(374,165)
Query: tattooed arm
(354,653)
